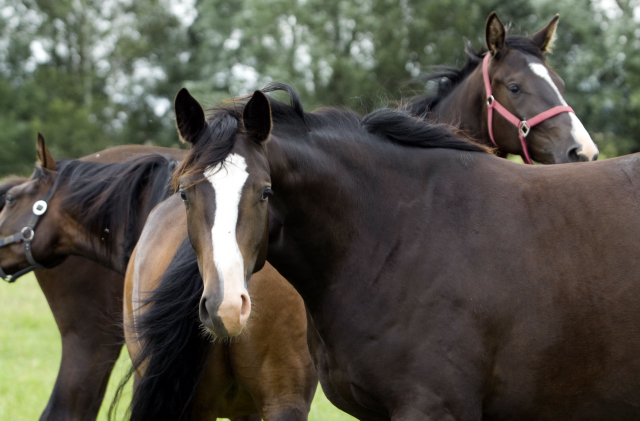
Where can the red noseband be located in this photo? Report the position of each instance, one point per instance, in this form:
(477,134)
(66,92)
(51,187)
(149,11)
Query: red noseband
(524,126)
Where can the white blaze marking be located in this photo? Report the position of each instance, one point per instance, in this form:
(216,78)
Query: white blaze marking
(578,131)
(227,181)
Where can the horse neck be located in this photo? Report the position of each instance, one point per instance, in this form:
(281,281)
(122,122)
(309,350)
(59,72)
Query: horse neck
(332,203)
(110,249)
(464,107)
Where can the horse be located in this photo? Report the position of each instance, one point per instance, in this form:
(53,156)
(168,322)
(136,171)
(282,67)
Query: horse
(440,281)
(510,76)
(179,373)
(97,211)
(83,294)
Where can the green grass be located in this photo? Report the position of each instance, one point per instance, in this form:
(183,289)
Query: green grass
(30,355)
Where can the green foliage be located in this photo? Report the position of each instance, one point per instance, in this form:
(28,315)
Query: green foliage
(91,74)
(87,74)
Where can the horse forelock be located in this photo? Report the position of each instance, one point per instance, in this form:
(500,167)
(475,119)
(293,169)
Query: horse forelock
(223,125)
(214,145)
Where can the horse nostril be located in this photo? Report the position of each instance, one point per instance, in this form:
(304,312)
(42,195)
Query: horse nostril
(204,313)
(573,155)
(245,307)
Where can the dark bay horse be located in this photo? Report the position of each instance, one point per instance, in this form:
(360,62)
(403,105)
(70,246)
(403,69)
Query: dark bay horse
(83,295)
(440,281)
(521,82)
(97,211)
(84,207)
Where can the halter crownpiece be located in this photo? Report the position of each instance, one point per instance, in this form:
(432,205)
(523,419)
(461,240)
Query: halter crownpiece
(25,236)
(524,126)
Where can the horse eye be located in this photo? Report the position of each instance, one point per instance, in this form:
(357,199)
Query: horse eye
(9,200)
(183,196)
(514,88)
(265,194)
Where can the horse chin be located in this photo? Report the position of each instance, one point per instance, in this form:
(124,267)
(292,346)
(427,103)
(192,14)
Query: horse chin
(218,330)
(12,261)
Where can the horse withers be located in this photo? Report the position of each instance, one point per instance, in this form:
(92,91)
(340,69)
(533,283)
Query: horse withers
(224,339)
(507,96)
(442,282)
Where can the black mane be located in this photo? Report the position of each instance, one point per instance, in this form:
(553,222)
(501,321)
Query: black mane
(447,78)
(106,198)
(173,347)
(395,126)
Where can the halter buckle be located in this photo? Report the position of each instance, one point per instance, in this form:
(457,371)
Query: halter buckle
(40,207)
(490,100)
(27,233)
(524,128)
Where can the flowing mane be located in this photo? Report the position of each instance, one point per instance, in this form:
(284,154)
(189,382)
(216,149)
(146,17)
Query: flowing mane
(448,78)
(105,198)
(173,345)
(386,125)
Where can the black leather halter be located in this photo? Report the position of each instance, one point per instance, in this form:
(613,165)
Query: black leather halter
(25,236)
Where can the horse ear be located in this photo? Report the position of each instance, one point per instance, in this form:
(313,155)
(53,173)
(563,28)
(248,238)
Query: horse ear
(257,116)
(190,119)
(494,34)
(544,38)
(44,156)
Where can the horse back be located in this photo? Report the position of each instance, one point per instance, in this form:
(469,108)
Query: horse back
(123,152)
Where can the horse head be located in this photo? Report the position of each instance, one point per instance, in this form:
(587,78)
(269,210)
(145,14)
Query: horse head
(225,185)
(517,77)
(26,206)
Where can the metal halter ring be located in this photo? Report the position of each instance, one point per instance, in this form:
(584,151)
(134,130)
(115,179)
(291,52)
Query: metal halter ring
(39,207)
(524,128)
(27,233)
(490,100)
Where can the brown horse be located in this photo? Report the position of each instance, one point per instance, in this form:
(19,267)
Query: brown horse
(519,79)
(83,294)
(441,282)
(181,373)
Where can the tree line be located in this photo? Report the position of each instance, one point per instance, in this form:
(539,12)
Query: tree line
(91,74)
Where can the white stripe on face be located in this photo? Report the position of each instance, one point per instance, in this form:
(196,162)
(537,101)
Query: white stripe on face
(578,131)
(227,181)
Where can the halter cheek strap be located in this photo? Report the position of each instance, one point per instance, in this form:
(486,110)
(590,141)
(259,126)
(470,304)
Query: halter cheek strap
(25,236)
(524,126)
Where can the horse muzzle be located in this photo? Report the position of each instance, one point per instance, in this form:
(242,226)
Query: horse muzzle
(226,317)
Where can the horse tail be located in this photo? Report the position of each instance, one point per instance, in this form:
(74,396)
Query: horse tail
(173,348)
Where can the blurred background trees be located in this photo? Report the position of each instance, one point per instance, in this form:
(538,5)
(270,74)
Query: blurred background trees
(90,74)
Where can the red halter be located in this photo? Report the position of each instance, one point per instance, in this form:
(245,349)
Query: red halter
(524,126)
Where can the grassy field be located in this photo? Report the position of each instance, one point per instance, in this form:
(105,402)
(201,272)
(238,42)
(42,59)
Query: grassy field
(30,355)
